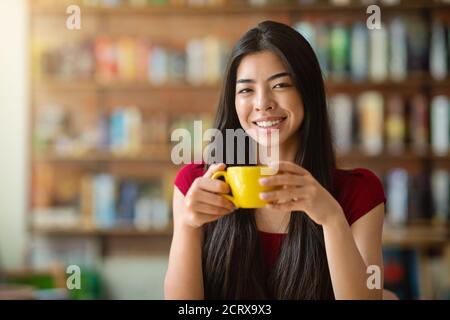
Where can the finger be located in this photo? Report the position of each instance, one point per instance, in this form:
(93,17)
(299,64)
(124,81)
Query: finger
(213,185)
(207,218)
(282,195)
(210,209)
(288,166)
(214,199)
(286,179)
(213,169)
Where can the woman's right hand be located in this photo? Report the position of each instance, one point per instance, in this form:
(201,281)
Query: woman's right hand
(203,201)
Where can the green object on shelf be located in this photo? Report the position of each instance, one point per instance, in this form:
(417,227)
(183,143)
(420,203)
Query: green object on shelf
(46,287)
(90,286)
(39,282)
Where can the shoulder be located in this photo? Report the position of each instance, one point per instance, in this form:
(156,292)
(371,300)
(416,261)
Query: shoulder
(358,191)
(186,176)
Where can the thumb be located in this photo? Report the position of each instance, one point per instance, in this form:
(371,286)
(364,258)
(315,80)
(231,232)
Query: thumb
(213,169)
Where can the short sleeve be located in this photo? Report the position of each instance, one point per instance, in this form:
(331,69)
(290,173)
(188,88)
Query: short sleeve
(364,192)
(186,176)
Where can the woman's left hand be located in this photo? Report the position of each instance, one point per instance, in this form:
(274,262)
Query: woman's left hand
(298,190)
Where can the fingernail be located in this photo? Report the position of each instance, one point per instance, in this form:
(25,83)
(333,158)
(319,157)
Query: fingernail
(263,195)
(263,181)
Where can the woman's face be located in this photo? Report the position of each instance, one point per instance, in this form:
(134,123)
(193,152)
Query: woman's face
(266,99)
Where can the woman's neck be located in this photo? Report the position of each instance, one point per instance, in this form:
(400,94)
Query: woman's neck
(272,221)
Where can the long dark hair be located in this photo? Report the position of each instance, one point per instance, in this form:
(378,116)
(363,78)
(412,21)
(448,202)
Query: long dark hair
(232,255)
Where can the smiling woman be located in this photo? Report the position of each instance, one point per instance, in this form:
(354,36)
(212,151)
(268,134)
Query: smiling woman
(267,100)
(322,226)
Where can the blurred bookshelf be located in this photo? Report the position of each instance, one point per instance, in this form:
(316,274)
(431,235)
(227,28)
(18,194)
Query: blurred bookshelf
(105,99)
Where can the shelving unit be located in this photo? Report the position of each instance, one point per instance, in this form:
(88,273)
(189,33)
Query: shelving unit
(174,99)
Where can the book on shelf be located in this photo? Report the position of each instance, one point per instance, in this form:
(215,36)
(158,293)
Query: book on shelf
(379,60)
(395,124)
(420,204)
(123,131)
(177,66)
(440,190)
(397,181)
(158,66)
(417,43)
(440,125)
(398,54)
(402,272)
(108,202)
(322,52)
(341,115)
(418,125)
(55,218)
(370,116)
(143,51)
(417,196)
(339,52)
(126,131)
(105,56)
(87,202)
(126,59)
(212,63)
(44,252)
(194,58)
(42,179)
(128,195)
(438,51)
(399,49)
(104,192)
(130,59)
(359,52)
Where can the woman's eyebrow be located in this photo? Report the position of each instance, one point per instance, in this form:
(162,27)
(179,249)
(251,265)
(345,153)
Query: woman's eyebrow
(279,75)
(272,77)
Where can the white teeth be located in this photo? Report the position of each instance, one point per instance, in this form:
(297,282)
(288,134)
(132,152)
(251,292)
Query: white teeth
(266,124)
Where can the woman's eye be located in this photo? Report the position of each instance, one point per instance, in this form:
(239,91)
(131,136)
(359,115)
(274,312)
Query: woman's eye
(245,90)
(282,85)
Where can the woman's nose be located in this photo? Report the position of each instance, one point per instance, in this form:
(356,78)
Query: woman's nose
(264,102)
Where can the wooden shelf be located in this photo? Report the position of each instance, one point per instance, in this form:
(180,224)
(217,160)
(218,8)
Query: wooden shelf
(416,236)
(152,154)
(242,9)
(161,154)
(413,236)
(91,85)
(113,232)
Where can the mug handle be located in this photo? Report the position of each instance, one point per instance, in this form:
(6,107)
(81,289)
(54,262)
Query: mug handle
(223,174)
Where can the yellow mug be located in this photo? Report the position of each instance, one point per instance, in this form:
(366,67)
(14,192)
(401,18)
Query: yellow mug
(244,184)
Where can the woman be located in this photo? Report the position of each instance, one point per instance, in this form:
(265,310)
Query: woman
(322,227)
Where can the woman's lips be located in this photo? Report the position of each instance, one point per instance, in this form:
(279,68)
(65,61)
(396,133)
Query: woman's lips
(270,123)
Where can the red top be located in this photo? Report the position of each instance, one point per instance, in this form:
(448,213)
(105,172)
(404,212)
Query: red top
(357,191)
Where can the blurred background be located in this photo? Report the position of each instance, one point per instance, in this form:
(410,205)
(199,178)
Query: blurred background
(86,117)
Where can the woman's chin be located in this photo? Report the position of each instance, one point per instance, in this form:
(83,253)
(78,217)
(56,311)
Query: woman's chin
(267,143)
